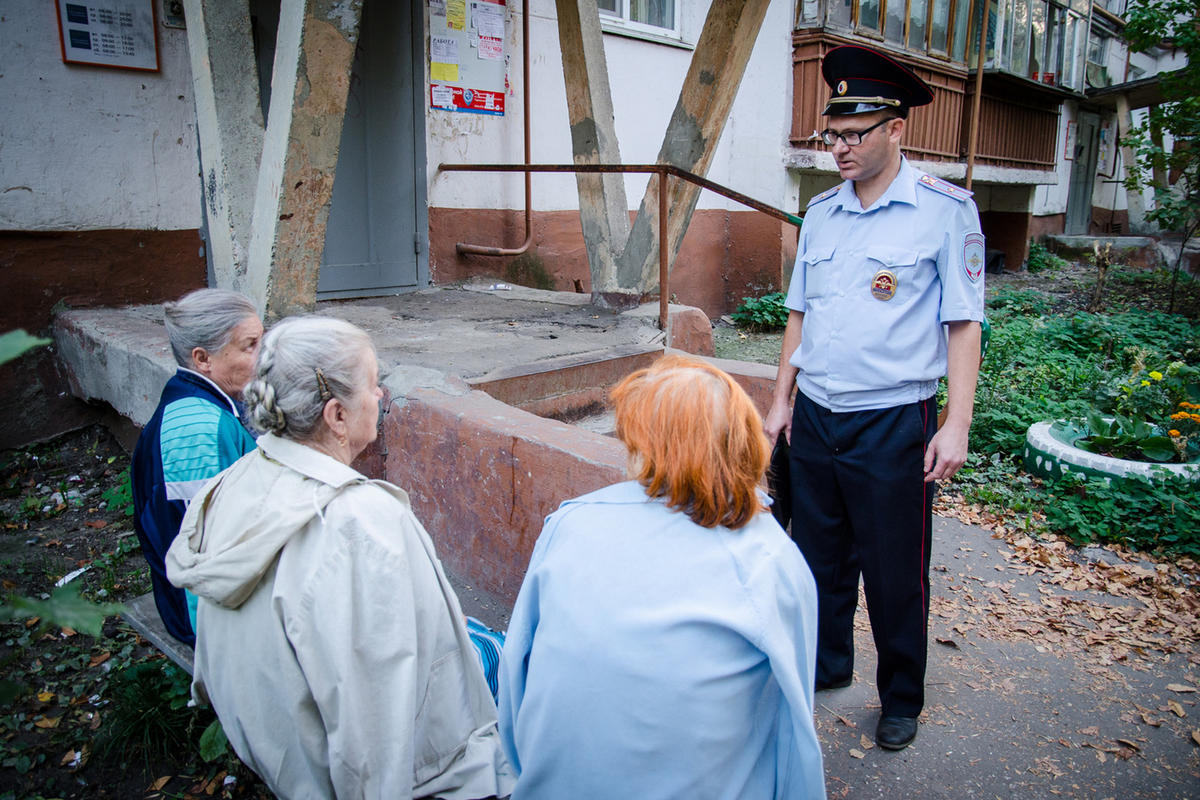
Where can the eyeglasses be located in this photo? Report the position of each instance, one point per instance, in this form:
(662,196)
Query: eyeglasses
(851,138)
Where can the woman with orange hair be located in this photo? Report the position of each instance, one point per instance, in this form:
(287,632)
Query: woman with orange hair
(664,640)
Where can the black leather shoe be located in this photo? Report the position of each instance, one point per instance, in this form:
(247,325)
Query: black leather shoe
(895,733)
(822,686)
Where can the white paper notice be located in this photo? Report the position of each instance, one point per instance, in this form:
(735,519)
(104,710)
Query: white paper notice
(437,8)
(443,49)
(488,19)
(443,96)
(491,49)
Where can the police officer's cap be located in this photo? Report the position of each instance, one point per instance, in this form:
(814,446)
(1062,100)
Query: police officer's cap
(864,80)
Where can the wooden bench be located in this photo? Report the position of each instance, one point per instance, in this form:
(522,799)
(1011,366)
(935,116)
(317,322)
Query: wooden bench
(142,616)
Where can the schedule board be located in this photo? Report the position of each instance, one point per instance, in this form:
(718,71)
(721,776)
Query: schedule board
(108,33)
(468,61)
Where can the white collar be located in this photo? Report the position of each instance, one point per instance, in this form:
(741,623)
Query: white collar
(217,389)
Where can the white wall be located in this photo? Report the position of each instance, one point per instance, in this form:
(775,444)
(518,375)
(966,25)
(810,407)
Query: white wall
(92,147)
(1052,198)
(645,78)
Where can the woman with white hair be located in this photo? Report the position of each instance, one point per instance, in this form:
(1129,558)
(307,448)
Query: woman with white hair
(331,645)
(195,432)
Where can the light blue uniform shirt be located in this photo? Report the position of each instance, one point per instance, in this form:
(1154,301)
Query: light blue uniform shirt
(649,657)
(861,351)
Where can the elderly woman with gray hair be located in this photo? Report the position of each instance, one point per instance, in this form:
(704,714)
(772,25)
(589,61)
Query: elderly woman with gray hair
(331,645)
(196,430)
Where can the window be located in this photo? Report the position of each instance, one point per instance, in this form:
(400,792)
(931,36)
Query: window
(961,9)
(647,16)
(868,14)
(924,26)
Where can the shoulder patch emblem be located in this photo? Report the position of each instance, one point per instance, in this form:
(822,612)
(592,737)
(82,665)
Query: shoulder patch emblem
(825,195)
(973,255)
(944,187)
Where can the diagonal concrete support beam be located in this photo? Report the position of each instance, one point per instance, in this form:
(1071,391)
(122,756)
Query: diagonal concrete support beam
(712,81)
(310,81)
(230,124)
(603,209)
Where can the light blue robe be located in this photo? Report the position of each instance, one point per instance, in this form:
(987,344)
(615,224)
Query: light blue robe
(649,657)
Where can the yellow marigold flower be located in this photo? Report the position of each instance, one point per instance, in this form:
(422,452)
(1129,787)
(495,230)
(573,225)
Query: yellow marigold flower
(1156,375)
(1145,383)
(1179,415)
(1173,432)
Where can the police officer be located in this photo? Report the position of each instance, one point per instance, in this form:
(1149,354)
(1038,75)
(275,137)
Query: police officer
(886,298)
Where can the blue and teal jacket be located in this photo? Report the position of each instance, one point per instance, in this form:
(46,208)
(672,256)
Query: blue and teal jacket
(195,433)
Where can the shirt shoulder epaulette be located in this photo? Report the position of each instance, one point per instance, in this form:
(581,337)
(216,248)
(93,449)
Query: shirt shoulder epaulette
(944,187)
(825,195)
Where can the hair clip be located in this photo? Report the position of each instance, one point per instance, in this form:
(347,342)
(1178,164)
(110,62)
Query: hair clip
(323,385)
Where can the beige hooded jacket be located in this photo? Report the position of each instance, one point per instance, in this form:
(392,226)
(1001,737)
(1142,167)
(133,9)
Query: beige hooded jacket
(330,643)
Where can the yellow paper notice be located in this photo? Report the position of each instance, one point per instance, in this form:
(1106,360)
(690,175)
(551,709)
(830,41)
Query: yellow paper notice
(443,72)
(456,14)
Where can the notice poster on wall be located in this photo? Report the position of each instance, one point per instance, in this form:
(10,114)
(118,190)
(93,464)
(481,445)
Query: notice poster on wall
(467,59)
(108,33)
(1106,157)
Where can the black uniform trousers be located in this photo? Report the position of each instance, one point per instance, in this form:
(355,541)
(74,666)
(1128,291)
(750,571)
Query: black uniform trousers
(860,506)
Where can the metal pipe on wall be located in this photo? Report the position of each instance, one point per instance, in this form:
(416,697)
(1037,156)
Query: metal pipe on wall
(663,277)
(481,250)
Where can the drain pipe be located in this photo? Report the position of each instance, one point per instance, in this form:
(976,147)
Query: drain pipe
(480,250)
(977,101)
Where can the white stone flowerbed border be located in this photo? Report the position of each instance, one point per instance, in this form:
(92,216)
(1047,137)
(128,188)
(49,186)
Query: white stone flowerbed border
(1047,456)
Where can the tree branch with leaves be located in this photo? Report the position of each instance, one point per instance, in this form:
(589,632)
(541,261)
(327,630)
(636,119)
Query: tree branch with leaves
(1171,173)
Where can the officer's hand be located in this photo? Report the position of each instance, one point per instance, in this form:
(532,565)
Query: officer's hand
(946,452)
(779,418)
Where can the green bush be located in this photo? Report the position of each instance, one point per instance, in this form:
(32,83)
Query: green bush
(120,496)
(1042,260)
(1161,514)
(150,715)
(1042,366)
(766,313)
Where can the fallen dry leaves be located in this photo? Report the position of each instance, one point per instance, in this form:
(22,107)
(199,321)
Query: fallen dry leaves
(1132,606)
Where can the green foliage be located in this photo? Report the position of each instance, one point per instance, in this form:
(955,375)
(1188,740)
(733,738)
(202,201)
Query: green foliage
(213,742)
(150,713)
(1034,371)
(1042,260)
(1134,366)
(16,343)
(766,313)
(997,480)
(1119,436)
(65,608)
(1161,514)
(1008,303)
(1172,174)
(120,497)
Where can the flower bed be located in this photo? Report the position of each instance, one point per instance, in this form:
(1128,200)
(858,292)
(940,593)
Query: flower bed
(1050,452)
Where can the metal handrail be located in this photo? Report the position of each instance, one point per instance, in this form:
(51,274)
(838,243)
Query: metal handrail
(663,171)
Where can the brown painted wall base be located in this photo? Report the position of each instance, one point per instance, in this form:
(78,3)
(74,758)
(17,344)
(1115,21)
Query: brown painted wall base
(1049,225)
(38,271)
(1109,222)
(725,256)
(482,475)
(1007,231)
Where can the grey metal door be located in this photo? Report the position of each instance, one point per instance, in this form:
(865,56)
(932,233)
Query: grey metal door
(1083,175)
(376,238)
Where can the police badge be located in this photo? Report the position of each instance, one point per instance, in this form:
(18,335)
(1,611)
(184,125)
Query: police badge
(973,255)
